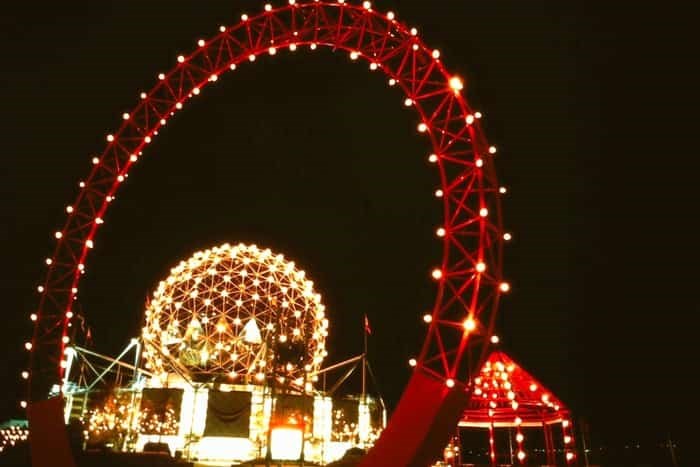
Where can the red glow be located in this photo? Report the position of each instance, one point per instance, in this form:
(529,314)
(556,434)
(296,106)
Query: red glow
(453,131)
(516,400)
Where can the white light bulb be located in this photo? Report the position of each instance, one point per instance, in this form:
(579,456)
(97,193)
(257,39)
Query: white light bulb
(456,84)
(469,324)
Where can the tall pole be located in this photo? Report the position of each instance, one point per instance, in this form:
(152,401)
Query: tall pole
(268,452)
(70,353)
(510,445)
(492,443)
(134,382)
(364,361)
(302,456)
(584,429)
(673,451)
(363,403)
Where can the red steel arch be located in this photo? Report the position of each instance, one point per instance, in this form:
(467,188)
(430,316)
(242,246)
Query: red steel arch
(468,278)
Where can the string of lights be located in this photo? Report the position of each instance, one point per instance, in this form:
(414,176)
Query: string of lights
(13,436)
(468,277)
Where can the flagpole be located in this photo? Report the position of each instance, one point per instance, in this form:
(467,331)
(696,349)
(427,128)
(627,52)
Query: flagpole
(364,360)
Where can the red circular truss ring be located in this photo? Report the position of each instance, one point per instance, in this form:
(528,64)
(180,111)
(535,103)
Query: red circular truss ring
(469,277)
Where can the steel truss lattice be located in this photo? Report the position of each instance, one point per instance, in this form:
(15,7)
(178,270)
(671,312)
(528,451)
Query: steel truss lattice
(468,279)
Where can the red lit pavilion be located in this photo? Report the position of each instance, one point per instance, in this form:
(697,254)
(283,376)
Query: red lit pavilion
(506,396)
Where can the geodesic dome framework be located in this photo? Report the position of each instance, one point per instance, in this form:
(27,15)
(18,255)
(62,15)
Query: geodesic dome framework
(236,313)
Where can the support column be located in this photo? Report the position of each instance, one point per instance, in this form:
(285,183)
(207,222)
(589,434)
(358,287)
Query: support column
(549,444)
(569,442)
(48,437)
(492,444)
(420,428)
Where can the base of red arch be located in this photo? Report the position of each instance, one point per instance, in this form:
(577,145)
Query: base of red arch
(420,428)
(48,437)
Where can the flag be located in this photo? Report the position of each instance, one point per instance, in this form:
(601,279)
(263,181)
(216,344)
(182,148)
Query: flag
(368,330)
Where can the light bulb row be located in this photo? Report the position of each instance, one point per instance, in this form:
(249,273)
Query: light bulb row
(454,83)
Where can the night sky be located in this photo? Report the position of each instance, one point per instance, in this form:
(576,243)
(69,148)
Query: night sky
(313,156)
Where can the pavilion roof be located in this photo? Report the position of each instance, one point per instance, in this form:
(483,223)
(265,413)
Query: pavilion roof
(504,394)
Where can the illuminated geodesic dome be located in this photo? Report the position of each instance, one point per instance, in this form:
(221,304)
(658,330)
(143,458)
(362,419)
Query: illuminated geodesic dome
(239,314)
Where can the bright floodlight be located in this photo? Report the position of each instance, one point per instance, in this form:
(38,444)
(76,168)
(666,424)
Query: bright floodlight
(236,311)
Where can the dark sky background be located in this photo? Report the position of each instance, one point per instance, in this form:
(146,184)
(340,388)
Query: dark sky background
(314,156)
